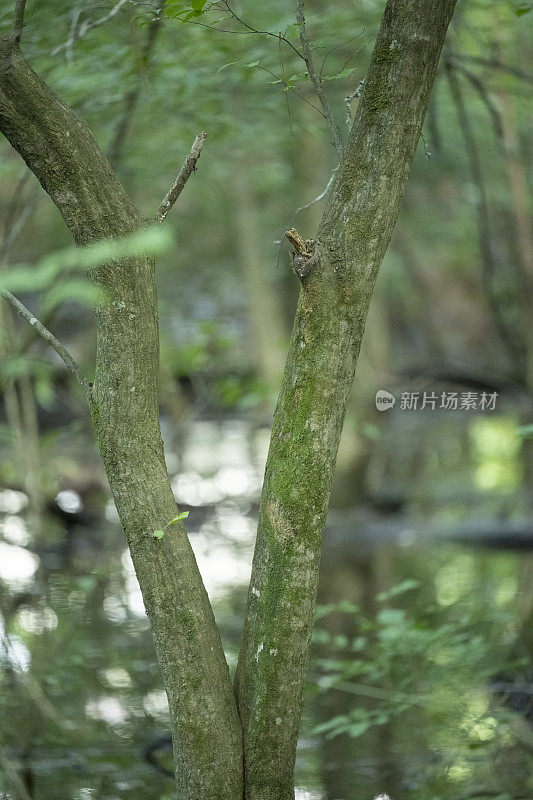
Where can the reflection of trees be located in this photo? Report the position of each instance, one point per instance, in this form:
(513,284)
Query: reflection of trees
(52,747)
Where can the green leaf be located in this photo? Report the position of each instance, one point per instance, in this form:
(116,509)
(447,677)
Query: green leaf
(358,728)
(183,515)
(248,64)
(173,7)
(342,74)
(158,534)
(392,617)
(75,289)
(400,588)
(524,9)
(331,725)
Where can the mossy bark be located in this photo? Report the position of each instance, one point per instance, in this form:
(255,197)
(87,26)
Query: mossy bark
(59,149)
(334,300)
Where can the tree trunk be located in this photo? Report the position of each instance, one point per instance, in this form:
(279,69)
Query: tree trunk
(60,150)
(334,299)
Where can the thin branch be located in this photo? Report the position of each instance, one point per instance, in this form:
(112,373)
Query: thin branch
(484,96)
(350,98)
(189,165)
(291,89)
(132,97)
(49,337)
(278,36)
(18,19)
(85,27)
(332,50)
(494,63)
(492,267)
(316,79)
(69,45)
(323,193)
(249,29)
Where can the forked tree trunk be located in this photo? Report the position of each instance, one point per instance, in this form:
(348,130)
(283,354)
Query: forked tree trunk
(330,319)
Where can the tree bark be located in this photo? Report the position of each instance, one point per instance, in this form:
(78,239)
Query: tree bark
(59,149)
(334,300)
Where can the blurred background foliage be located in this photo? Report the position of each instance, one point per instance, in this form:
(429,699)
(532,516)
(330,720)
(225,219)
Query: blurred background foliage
(421,682)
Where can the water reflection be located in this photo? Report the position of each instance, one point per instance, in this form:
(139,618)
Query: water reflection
(412,635)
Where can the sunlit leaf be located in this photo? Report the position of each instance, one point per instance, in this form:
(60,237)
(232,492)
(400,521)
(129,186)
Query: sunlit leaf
(183,515)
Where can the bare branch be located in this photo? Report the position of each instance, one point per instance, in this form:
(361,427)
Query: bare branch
(49,337)
(316,79)
(189,165)
(484,96)
(323,193)
(512,339)
(132,98)
(494,63)
(350,98)
(85,27)
(18,19)
(277,36)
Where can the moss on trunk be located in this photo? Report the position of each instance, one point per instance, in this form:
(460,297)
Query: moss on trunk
(334,300)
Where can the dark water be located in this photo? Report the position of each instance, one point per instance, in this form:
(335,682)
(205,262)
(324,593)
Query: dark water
(419,683)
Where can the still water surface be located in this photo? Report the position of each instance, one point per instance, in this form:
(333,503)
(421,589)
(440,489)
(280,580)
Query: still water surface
(419,680)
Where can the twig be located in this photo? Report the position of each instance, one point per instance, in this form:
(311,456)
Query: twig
(18,20)
(332,50)
(484,96)
(85,27)
(69,44)
(316,80)
(350,97)
(494,63)
(263,33)
(49,337)
(323,193)
(491,263)
(132,97)
(184,174)
(290,88)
